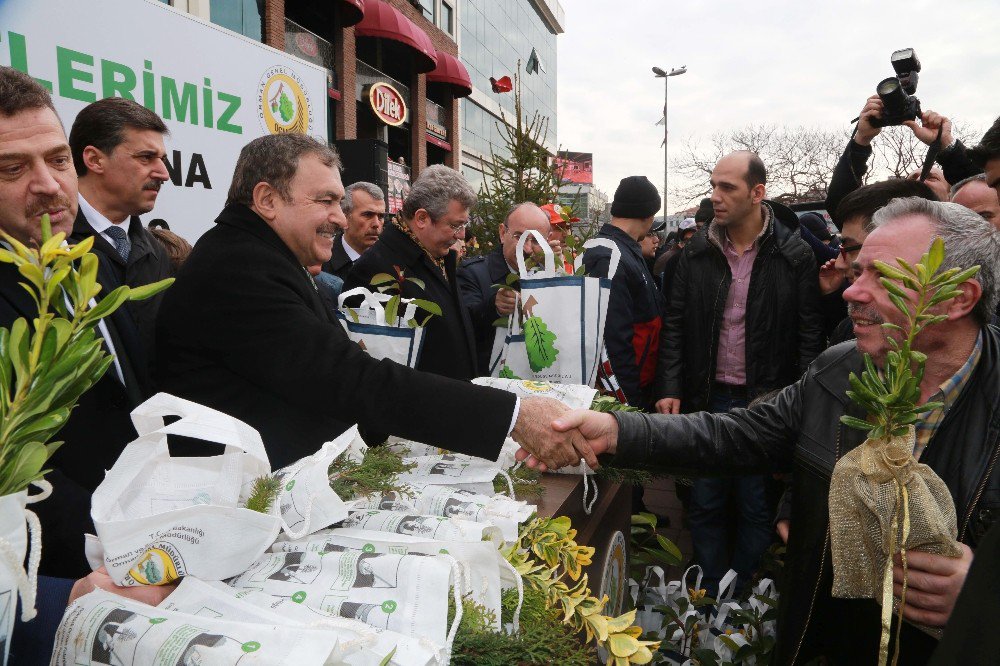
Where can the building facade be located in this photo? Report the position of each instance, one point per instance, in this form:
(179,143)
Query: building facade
(394,77)
(495,37)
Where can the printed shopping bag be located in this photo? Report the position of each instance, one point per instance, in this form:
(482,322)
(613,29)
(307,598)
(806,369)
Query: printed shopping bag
(556,332)
(359,644)
(400,341)
(105,628)
(160,518)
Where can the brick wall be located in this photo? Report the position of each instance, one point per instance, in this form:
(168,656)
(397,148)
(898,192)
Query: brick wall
(274,24)
(442,41)
(346,119)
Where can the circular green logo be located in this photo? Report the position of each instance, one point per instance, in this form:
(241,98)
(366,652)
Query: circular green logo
(443,551)
(388,606)
(368,548)
(289,485)
(157,620)
(251,646)
(299,597)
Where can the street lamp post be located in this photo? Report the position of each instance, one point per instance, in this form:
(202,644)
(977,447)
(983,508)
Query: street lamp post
(661,74)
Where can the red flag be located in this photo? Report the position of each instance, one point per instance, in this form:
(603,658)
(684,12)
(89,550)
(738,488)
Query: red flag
(501,85)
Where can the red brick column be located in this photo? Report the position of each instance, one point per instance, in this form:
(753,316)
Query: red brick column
(274,24)
(346,120)
(454,158)
(418,124)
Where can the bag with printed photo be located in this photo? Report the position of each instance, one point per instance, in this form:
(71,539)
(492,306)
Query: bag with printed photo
(104,629)
(400,340)
(358,644)
(159,518)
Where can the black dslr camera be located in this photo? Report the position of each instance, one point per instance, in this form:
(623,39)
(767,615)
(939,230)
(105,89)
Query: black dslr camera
(896,92)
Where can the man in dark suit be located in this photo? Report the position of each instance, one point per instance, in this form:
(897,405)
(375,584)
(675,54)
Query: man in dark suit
(435,214)
(477,276)
(279,360)
(364,206)
(118,153)
(38,178)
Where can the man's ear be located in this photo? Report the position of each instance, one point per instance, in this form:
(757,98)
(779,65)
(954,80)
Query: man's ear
(422,219)
(503,231)
(758,193)
(969,293)
(265,200)
(95,160)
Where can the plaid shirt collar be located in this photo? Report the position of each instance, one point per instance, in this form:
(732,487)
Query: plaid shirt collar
(947,393)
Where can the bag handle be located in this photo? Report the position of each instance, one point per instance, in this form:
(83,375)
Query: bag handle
(550,262)
(198,422)
(616,254)
(371,301)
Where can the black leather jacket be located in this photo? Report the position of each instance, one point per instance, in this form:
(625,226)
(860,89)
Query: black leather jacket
(784,326)
(800,429)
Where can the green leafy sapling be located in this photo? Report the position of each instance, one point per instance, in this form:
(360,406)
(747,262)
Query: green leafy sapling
(892,397)
(389,284)
(47,364)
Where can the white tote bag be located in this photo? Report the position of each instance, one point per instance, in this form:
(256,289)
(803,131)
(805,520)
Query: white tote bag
(14,579)
(557,330)
(160,518)
(401,343)
(104,628)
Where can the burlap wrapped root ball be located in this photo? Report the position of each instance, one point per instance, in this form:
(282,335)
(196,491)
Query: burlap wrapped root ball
(866,508)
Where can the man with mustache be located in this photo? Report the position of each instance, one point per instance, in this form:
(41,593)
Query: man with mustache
(118,154)
(364,206)
(800,429)
(37,177)
(245,331)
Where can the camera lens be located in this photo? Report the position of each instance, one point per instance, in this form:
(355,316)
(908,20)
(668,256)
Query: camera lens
(890,91)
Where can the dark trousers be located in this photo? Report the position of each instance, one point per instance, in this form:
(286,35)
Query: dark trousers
(710,519)
(32,641)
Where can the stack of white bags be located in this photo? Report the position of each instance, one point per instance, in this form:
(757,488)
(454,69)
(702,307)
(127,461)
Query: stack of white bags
(284,587)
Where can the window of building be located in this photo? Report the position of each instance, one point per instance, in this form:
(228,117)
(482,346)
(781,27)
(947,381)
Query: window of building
(242,16)
(428,7)
(447,18)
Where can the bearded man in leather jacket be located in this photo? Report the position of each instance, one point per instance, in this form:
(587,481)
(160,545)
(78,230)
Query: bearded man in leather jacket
(800,429)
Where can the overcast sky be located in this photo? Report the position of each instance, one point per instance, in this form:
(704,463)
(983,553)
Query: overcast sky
(780,62)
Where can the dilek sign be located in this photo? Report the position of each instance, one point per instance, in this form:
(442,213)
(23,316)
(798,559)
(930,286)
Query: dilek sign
(216,90)
(387,104)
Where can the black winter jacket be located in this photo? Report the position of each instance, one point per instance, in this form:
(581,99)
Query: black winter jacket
(800,429)
(784,327)
(476,278)
(635,315)
(449,348)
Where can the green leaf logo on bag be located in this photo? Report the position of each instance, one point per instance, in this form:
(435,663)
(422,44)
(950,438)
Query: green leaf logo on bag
(251,646)
(507,373)
(299,597)
(388,607)
(539,342)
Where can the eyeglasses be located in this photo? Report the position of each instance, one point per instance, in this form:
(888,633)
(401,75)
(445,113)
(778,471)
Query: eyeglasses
(848,249)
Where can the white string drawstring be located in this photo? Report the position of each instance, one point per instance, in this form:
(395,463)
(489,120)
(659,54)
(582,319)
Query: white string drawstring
(587,483)
(520,596)
(27,583)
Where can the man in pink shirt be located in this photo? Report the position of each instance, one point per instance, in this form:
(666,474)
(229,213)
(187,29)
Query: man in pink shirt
(742,321)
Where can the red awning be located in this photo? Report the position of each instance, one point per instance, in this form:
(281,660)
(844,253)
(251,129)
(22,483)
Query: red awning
(353,12)
(450,70)
(385,21)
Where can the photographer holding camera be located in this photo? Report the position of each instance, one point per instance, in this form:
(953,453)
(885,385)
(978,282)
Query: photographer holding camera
(894,104)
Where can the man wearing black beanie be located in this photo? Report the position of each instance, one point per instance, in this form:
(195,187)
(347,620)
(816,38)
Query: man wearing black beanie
(635,310)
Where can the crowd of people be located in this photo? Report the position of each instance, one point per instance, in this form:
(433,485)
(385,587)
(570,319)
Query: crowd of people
(734,336)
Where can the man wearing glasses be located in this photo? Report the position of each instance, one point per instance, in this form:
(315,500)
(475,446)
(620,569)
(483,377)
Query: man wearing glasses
(418,243)
(854,216)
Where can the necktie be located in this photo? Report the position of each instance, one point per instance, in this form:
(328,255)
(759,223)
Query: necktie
(122,243)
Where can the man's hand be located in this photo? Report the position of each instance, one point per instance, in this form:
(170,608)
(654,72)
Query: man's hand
(147,594)
(781,527)
(866,131)
(932,584)
(506,299)
(928,129)
(597,432)
(830,277)
(668,406)
(535,433)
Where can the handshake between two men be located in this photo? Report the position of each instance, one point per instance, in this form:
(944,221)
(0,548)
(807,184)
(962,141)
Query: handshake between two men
(552,436)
